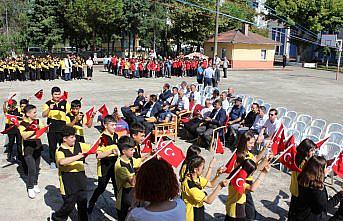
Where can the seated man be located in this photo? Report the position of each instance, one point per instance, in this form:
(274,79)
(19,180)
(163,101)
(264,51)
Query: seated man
(175,96)
(164,116)
(181,105)
(260,120)
(194,96)
(237,114)
(225,101)
(166,93)
(215,96)
(196,120)
(216,119)
(150,109)
(250,118)
(269,128)
(139,101)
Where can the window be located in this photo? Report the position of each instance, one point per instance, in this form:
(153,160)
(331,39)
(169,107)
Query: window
(263,54)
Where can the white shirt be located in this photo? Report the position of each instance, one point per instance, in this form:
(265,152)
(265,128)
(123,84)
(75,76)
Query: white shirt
(176,214)
(206,111)
(209,72)
(225,104)
(89,63)
(271,127)
(67,65)
(197,97)
(259,122)
(183,103)
(173,100)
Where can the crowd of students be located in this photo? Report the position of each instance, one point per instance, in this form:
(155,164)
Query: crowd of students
(146,188)
(33,68)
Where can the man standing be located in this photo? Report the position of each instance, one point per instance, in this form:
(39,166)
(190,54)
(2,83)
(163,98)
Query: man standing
(208,75)
(89,64)
(225,66)
(67,68)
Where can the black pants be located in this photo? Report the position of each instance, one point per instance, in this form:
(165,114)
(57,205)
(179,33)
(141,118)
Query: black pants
(206,134)
(32,159)
(102,184)
(125,205)
(292,206)
(191,126)
(79,198)
(250,210)
(228,218)
(14,138)
(54,138)
(130,116)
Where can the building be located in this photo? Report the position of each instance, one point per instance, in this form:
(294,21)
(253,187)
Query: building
(244,49)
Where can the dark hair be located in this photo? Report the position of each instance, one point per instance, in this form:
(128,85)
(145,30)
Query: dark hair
(136,128)
(153,97)
(29,107)
(194,163)
(109,119)
(313,173)
(55,89)
(24,101)
(248,165)
(303,150)
(258,106)
(175,88)
(125,142)
(192,152)
(156,182)
(263,108)
(273,109)
(75,103)
(68,131)
(242,148)
(218,102)
(216,92)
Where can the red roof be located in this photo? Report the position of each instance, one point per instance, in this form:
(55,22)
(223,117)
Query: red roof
(237,37)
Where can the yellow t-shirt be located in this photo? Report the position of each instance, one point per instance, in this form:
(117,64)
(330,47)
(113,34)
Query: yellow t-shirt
(234,202)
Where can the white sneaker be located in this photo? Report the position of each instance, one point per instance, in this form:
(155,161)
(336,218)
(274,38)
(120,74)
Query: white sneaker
(31,193)
(36,189)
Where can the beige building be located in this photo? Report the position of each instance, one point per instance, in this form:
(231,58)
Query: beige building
(244,49)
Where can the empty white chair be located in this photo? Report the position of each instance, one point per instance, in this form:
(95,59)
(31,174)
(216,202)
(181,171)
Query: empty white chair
(287,122)
(319,123)
(336,137)
(208,90)
(334,127)
(281,111)
(248,103)
(300,126)
(292,114)
(259,101)
(307,119)
(330,151)
(312,130)
(296,134)
(267,106)
(312,137)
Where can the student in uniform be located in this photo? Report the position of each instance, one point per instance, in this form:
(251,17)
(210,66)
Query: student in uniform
(192,189)
(78,120)
(56,111)
(107,154)
(305,151)
(137,133)
(236,202)
(73,181)
(32,148)
(125,176)
(12,130)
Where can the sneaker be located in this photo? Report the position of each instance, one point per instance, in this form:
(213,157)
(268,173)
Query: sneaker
(53,166)
(36,189)
(31,193)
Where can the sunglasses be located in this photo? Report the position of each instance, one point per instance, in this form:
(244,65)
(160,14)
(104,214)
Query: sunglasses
(272,114)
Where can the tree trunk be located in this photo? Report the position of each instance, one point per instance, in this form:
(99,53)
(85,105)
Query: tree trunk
(129,54)
(108,43)
(93,39)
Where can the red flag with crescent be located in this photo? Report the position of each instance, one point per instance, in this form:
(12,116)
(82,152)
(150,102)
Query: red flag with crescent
(13,119)
(278,140)
(171,153)
(33,126)
(288,159)
(41,131)
(337,166)
(231,163)
(39,94)
(238,181)
(103,110)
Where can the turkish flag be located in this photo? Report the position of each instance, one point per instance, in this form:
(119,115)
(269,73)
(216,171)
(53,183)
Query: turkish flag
(13,119)
(103,110)
(238,181)
(94,148)
(64,96)
(219,145)
(171,153)
(104,141)
(231,163)
(6,130)
(41,131)
(288,159)
(10,100)
(278,139)
(147,148)
(39,94)
(33,126)
(337,167)
(288,143)
(89,114)
(320,143)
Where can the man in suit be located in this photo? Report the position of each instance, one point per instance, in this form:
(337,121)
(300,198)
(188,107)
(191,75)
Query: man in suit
(166,93)
(216,119)
(216,77)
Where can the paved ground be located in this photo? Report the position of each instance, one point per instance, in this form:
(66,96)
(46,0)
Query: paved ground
(306,91)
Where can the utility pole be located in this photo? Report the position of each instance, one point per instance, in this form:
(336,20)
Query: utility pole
(340,47)
(6,18)
(216,31)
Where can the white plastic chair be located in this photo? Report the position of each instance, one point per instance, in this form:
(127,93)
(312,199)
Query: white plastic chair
(319,123)
(300,126)
(336,137)
(287,122)
(267,106)
(312,137)
(307,119)
(200,87)
(334,127)
(281,111)
(329,151)
(259,101)
(208,90)
(312,130)
(296,134)
(292,114)
(248,103)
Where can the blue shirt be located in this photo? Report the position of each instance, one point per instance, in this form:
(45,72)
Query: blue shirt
(162,116)
(237,112)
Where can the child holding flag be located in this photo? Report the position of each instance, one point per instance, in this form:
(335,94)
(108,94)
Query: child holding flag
(192,189)
(32,148)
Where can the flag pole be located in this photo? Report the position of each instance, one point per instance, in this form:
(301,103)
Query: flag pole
(155,154)
(280,155)
(240,168)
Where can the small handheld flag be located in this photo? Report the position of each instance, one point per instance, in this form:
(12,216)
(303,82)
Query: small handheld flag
(94,147)
(41,131)
(103,110)
(39,94)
